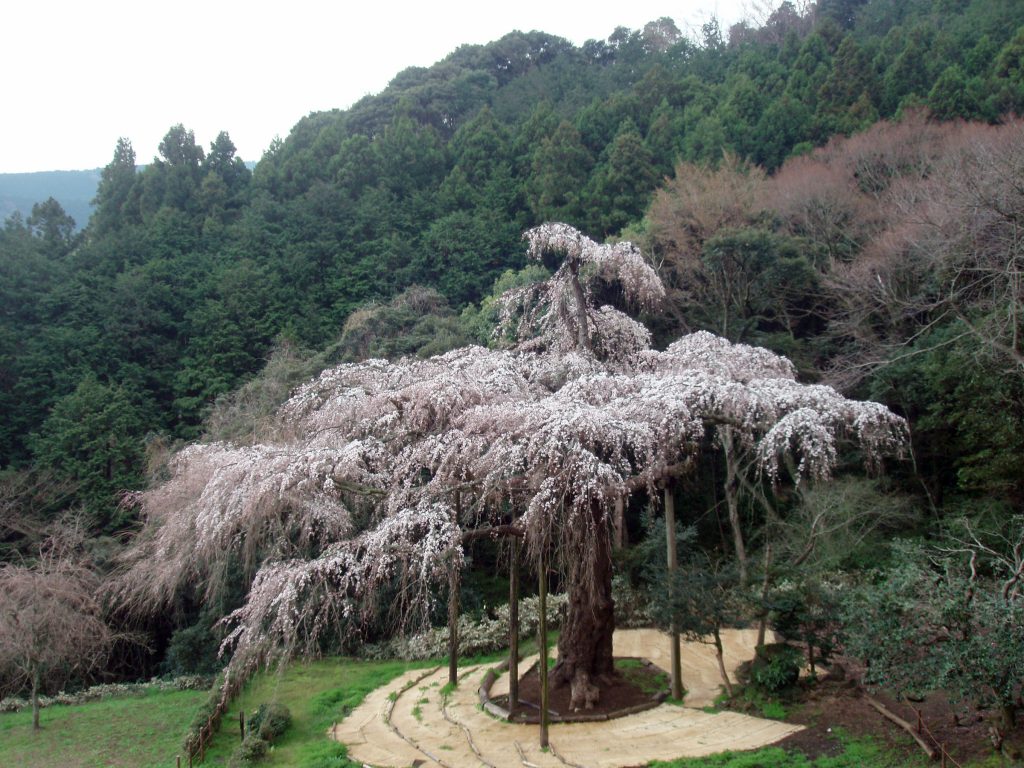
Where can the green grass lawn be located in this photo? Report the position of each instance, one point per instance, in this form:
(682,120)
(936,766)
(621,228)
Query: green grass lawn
(134,732)
(147,730)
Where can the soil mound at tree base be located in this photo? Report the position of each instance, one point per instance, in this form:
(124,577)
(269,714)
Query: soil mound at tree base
(637,685)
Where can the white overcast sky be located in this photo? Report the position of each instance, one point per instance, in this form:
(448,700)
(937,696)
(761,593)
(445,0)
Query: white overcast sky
(81,73)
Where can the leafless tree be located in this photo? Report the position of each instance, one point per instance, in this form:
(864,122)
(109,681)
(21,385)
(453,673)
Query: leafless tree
(693,206)
(51,620)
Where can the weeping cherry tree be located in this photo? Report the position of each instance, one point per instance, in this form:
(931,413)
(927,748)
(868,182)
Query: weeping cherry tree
(379,472)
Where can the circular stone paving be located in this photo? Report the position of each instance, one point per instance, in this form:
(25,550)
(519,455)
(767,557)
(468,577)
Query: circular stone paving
(409,721)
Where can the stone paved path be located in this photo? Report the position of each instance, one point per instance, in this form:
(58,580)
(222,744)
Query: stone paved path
(409,722)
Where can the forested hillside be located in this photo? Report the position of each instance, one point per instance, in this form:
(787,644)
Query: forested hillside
(840,185)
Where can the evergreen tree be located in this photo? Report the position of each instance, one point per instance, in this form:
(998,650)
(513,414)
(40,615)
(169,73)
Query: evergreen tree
(92,438)
(622,182)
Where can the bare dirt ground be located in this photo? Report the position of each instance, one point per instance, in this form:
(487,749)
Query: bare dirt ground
(631,687)
(832,706)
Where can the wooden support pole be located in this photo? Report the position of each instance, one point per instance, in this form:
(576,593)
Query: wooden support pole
(620,522)
(241,723)
(453,626)
(453,607)
(673,566)
(513,630)
(762,624)
(542,647)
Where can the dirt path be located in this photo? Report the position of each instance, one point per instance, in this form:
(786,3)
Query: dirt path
(409,719)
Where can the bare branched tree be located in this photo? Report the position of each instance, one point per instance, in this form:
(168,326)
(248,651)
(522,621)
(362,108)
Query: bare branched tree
(51,620)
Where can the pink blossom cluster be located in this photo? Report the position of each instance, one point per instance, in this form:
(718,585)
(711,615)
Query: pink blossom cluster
(555,314)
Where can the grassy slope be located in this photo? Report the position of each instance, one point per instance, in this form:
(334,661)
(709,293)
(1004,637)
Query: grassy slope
(317,693)
(133,732)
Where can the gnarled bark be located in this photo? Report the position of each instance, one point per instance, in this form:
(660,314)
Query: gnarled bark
(585,644)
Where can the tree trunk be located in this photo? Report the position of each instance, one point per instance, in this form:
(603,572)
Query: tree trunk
(35,699)
(582,328)
(585,644)
(719,654)
(732,499)
(1008,716)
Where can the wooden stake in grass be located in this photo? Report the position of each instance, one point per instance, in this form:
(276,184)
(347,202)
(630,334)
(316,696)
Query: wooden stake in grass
(241,724)
(673,566)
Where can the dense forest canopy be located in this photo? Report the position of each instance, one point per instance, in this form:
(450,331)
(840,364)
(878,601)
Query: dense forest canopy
(838,183)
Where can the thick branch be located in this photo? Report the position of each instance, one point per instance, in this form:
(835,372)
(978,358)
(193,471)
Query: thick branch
(494,532)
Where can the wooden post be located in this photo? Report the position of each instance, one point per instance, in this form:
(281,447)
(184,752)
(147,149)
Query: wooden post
(453,608)
(918,719)
(762,624)
(179,761)
(620,522)
(453,626)
(241,723)
(513,630)
(673,566)
(542,647)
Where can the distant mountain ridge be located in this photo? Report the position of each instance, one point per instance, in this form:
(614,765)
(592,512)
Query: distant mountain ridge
(74,190)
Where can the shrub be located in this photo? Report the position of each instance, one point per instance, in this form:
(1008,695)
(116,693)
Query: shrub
(193,650)
(266,725)
(275,721)
(632,608)
(109,691)
(252,749)
(776,668)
